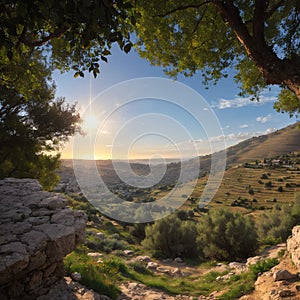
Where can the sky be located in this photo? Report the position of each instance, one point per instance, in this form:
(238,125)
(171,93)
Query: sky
(132,110)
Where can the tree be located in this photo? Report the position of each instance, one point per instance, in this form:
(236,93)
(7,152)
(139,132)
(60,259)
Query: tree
(260,38)
(172,237)
(32,122)
(227,236)
(75,34)
(37,37)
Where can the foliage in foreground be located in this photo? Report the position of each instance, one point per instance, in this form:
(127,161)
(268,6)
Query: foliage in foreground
(104,277)
(227,236)
(100,277)
(213,36)
(275,226)
(172,237)
(220,235)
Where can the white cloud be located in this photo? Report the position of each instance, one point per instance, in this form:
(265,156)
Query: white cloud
(241,102)
(265,119)
(244,126)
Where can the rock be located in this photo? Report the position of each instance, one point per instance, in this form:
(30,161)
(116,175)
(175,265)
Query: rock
(177,272)
(237,266)
(76,276)
(284,275)
(253,260)
(285,293)
(167,260)
(37,230)
(178,260)
(162,270)
(100,235)
(95,254)
(293,246)
(144,258)
(152,265)
(128,252)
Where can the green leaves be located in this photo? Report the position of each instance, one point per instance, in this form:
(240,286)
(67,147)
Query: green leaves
(206,37)
(127,47)
(78,73)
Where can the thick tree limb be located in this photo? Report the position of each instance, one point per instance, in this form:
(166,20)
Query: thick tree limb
(183,7)
(55,34)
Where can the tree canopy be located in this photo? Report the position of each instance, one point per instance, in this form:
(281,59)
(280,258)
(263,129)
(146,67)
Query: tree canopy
(74,34)
(259,38)
(32,122)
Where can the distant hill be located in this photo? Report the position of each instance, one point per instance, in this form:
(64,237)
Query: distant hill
(276,143)
(270,145)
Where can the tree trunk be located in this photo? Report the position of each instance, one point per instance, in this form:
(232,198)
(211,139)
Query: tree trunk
(284,72)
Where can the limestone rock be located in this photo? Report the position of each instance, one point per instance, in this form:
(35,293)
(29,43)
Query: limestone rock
(76,276)
(37,230)
(152,265)
(293,246)
(284,275)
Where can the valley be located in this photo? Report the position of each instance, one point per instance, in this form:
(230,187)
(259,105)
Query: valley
(115,260)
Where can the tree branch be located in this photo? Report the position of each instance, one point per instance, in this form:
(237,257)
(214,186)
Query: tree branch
(258,26)
(55,34)
(183,7)
(270,12)
(199,21)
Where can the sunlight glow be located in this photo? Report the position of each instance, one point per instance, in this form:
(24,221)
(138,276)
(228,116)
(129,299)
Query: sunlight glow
(90,124)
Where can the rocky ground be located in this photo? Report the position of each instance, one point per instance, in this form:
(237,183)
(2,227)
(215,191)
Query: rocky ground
(267,287)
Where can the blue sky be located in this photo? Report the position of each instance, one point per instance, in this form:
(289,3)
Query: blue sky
(152,127)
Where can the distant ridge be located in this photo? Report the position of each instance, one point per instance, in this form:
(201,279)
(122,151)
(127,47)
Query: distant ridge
(279,142)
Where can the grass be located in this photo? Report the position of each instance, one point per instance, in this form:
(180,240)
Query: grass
(100,277)
(104,277)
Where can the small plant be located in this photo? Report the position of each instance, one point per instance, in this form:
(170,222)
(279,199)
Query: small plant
(280,189)
(263,266)
(139,267)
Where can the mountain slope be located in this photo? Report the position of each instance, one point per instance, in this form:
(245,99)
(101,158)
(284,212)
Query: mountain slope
(270,145)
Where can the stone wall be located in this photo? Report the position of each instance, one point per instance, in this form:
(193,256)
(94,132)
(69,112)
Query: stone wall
(293,246)
(37,230)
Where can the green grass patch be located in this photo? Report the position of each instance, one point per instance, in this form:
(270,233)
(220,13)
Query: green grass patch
(101,277)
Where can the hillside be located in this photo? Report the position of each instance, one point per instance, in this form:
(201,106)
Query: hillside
(280,142)
(276,143)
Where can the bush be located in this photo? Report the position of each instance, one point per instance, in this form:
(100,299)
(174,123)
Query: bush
(278,223)
(227,235)
(264,176)
(280,189)
(172,237)
(263,266)
(251,191)
(268,184)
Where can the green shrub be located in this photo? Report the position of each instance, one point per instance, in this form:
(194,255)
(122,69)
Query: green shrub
(172,237)
(227,236)
(263,266)
(275,225)
(139,267)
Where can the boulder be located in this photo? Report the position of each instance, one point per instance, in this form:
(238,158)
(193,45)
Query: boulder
(284,275)
(152,265)
(293,246)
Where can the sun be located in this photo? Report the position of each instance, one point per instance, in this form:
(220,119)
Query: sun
(90,123)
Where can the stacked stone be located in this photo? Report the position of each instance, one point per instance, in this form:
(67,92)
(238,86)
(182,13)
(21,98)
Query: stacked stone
(37,230)
(293,246)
